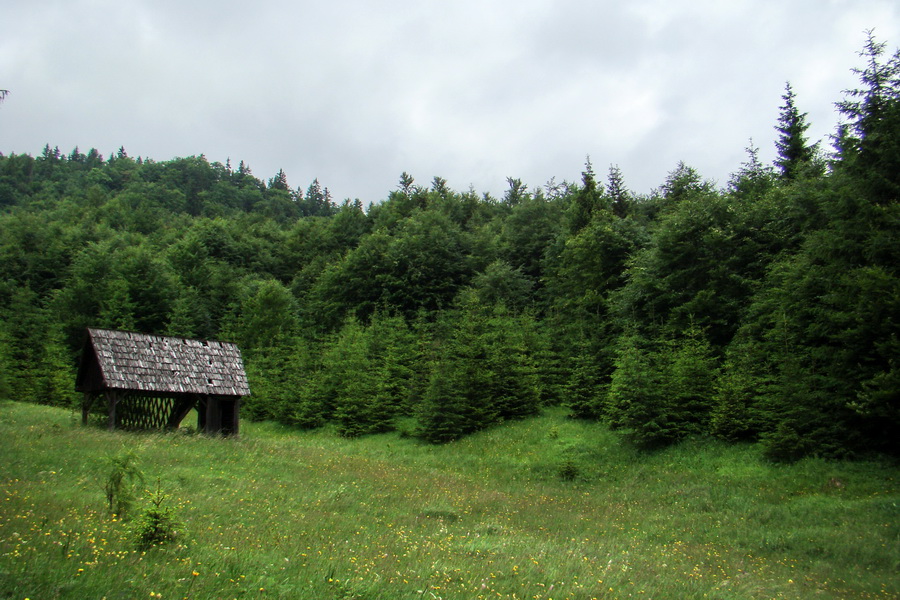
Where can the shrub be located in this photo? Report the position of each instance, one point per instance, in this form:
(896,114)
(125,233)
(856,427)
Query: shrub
(157,524)
(123,473)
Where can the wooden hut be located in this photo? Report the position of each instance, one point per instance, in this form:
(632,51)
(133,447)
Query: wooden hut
(153,382)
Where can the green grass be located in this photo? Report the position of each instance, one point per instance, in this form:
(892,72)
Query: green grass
(540,509)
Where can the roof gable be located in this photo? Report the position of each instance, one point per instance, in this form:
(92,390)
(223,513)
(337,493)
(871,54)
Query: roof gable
(154,363)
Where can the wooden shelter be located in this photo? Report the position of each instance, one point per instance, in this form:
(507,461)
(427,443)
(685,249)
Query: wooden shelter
(153,382)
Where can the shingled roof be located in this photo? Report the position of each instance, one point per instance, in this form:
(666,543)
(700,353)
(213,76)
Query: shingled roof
(123,360)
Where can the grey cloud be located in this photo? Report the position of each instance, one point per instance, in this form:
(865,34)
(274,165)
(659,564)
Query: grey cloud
(356,92)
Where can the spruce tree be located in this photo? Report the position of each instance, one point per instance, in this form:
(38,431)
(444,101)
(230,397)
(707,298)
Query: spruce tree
(753,180)
(635,400)
(870,140)
(584,394)
(620,197)
(279,182)
(393,353)
(690,374)
(587,201)
(795,154)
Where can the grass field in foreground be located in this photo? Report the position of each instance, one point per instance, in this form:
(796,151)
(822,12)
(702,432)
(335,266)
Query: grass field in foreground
(544,508)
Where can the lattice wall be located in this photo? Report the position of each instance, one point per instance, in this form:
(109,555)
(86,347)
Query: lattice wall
(144,412)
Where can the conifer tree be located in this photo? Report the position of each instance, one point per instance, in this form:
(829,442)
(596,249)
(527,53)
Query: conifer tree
(443,414)
(635,401)
(117,307)
(584,392)
(185,315)
(279,377)
(735,413)
(662,394)
(6,360)
(513,389)
(279,182)
(753,179)
(795,154)
(482,372)
(391,347)
(691,373)
(682,183)
(870,141)
(355,410)
(40,365)
(587,201)
(516,193)
(618,194)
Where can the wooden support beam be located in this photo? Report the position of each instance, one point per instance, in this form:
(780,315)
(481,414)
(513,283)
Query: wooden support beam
(236,419)
(202,404)
(86,404)
(183,405)
(213,415)
(112,398)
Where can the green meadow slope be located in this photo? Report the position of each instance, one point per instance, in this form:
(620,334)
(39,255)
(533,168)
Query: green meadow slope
(543,508)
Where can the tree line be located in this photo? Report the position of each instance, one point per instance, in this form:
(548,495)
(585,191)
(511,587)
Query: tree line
(763,310)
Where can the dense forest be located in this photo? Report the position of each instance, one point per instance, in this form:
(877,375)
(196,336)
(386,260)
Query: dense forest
(765,309)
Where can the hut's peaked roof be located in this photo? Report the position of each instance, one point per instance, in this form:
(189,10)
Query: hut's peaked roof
(154,363)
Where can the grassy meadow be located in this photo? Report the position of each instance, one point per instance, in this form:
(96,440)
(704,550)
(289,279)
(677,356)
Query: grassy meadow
(539,509)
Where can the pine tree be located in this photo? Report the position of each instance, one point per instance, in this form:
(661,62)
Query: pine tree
(870,141)
(516,193)
(279,375)
(795,155)
(34,354)
(682,183)
(513,389)
(6,360)
(736,414)
(443,414)
(635,401)
(392,347)
(481,373)
(587,201)
(584,392)
(268,314)
(185,314)
(619,195)
(690,375)
(279,182)
(117,309)
(753,179)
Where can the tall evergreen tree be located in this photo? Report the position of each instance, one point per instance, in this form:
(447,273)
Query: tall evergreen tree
(587,200)
(516,193)
(355,409)
(795,154)
(870,144)
(279,182)
(619,195)
(6,360)
(753,179)
(482,372)
(586,387)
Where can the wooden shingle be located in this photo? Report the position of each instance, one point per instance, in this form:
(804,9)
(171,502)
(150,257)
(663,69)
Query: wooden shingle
(153,363)
(153,381)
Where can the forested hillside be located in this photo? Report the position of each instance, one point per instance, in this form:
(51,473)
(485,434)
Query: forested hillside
(763,309)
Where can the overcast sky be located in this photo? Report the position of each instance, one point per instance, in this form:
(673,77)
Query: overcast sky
(354,92)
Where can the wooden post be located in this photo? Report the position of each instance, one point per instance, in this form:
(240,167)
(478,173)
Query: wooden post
(86,405)
(183,405)
(213,415)
(111,400)
(202,403)
(236,418)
